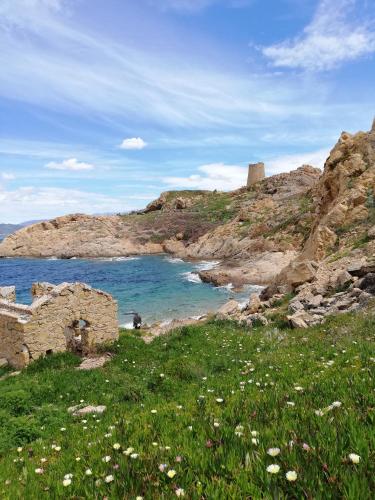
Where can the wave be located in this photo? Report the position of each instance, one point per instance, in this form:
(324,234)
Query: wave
(174,260)
(206,265)
(226,288)
(192,277)
(117,259)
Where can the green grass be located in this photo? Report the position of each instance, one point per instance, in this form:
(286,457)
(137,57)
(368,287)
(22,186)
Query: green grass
(199,375)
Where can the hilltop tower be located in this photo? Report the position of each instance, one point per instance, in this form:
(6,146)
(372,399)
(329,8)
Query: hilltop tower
(256,173)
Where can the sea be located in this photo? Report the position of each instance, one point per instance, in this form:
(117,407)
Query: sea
(160,288)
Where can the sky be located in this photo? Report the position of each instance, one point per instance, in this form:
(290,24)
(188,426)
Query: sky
(103,105)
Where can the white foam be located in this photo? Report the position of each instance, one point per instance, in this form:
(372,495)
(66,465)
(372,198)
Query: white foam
(192,277)
(174,260)
(206,265)
(226,288)
(52,258)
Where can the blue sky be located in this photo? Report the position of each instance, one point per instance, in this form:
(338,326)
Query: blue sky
(103,105)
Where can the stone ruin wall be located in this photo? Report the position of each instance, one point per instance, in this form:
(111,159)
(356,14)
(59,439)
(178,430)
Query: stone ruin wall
(58,317)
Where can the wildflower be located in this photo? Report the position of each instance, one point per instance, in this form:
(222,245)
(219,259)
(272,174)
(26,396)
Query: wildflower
(255,441)
(190,427)
(180,492)
(39,471)
(134,456)
(19,449)
(354,458)
(216,424)
(171,473)
(106,459)
(109,479)
(57,448)
(88,472)
(138,498)
(162,375)
(43,460)
(254,433)
(306,447)
(116,446)
(63,429)
(178,459)
(162,467)
(290,403)
(336,404)
(239,430)
(67,482)
(273,452)
(128,451)
(68,476)
(291,475)
(298,388)
(319,413)
(154,411)
(273,468)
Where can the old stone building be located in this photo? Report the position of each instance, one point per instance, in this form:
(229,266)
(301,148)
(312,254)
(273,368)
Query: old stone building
(68,317)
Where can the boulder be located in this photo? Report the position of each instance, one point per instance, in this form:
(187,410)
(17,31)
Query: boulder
(297,273)
(295,305)
(314,301)
(342,280)
(257,318)
(371,233)
(77,411)
(254,304)
(368,283)
(229,308)
(300,319)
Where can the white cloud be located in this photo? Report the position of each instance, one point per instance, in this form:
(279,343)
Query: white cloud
(287,163)
(5,176)
(215,176)
(229,177)
(133,143)
(334,36)
(31,202)
(71,164)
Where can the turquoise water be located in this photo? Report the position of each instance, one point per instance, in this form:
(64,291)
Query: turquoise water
(158,287)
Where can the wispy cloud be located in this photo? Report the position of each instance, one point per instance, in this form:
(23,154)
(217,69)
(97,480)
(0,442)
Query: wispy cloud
(336,35)
(133,143)
(287,163)
(70,164)
(63,67)
(42,203)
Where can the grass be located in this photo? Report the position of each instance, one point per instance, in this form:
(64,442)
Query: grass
(195,401)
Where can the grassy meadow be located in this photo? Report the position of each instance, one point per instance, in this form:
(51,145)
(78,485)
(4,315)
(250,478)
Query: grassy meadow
(213,411)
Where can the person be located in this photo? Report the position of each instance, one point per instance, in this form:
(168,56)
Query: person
(137,321)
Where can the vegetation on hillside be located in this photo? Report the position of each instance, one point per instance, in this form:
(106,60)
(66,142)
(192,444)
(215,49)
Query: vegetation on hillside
(211,411)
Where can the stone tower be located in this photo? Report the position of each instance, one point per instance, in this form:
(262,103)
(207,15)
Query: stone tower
(256,173)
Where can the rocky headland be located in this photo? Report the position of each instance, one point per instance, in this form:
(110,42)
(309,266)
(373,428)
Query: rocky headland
(298,233)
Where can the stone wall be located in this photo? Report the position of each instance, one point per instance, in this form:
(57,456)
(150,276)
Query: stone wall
(71,316)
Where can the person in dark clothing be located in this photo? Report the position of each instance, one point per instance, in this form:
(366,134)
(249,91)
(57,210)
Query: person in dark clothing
(137,321)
